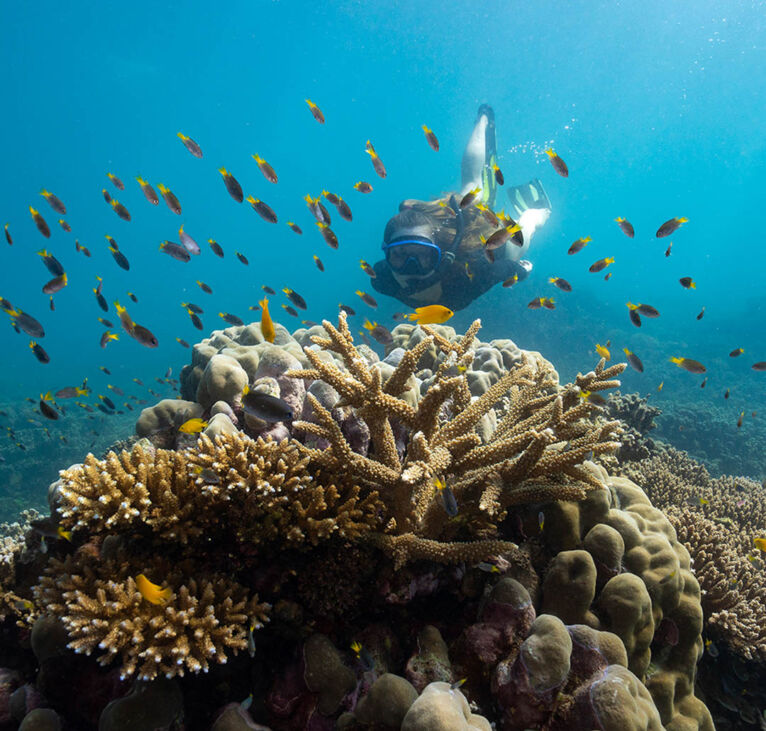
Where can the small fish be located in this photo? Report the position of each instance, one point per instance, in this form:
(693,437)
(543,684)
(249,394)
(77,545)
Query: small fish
(231,319)
(54,202)
(188,242)
(635,318)
(317,209)
(726,394)
(711,648)
(107,402)
(46,409)
(265,407)
(350,311)
(633,360)
(363,187)
(120,258)
(541,521)
(760,544)
(379,333)
(309,323)
(195,320)
(242,258)
(8,236)
(377,163)
(266,169)
(603,351)
(120,209)
(601,264)
(594,398)
(39,352)
(315,111)
(741,419)
(64,225)
(692,366)
(190,145)
(431,138)
(176,251)
(71,392)
(468,272)
(116,181)
(736,352)
(295,298)
(153,593)
(40,222)
(133,297)
(344,210)
(687,283)
(104,369)
(645,310)
(170,199)
(562,284)
(429,315)
(267,326)
(55,285)
(667,251)
(318,262)
(232,185)
(701,314)
(760,366)
(704,382)
(182,342)
(254,308)
(262,209)
(52,264)
(332,197)
(328,235)
(149,192)
(106,194)
(216,248)
(192,426)
(107,337)
(670,226)
(363,656)
(625,226)
(659,388)
(499,177)
(268,290)
(488,568)
(488,215)
(578,245)
(115,389)
(449,503)
(511,281)
(469,197)
(290,310)
(558,164)
(295,228)
(51,304)
(80,248)
(204,287)
(368,300)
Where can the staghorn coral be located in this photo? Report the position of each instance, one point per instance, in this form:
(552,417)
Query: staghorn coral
(102,609)
(533,455)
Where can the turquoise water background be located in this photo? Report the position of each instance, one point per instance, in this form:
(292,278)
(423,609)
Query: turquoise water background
(657,108)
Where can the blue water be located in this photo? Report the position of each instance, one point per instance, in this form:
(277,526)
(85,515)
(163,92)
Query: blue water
(657,109)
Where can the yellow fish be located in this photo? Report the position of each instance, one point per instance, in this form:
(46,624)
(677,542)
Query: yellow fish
(267,326)
(431,315)
(153,593)
(193,426)
(603,351)
(760,544)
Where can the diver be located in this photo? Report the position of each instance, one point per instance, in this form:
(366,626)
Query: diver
(434,250)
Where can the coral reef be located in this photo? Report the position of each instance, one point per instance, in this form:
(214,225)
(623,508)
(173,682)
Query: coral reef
(717,519)
(432,540)
(638,416)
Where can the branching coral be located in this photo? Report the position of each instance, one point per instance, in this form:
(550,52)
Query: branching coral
(533,455)
(102,609)
(255,490)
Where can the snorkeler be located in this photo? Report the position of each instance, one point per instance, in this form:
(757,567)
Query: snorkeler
(439,252)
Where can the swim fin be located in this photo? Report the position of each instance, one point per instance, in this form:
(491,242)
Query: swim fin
(529,195)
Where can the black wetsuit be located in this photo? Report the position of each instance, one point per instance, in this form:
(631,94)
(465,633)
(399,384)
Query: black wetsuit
(451,285)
